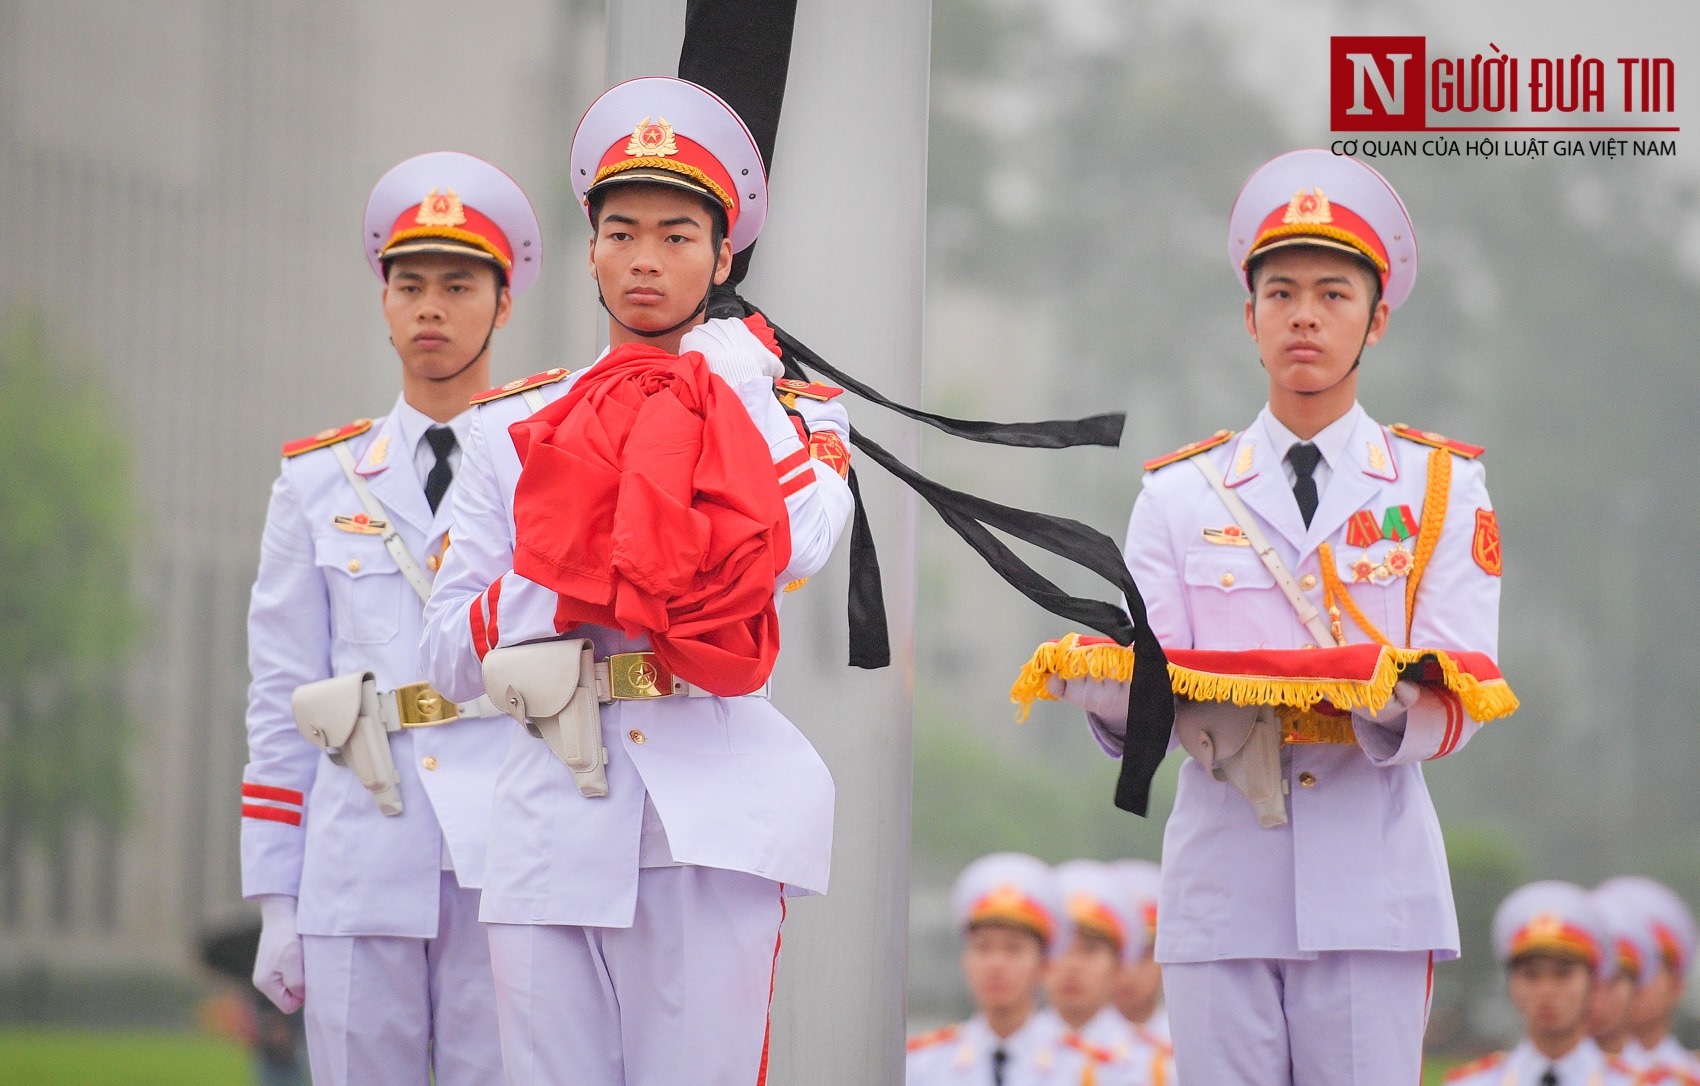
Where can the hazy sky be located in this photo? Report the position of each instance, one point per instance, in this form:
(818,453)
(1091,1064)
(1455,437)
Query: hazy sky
(1281,49)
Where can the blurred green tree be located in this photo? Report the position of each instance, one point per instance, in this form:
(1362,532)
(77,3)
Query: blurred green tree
(68,617)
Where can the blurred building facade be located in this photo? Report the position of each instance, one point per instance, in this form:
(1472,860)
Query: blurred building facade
(181,185)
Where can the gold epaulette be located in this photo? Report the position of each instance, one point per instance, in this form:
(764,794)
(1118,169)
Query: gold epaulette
(524,384)
(1476,1067)
(936,1037)
(809,390)
(1437,441)
(326,437)
(1187,451)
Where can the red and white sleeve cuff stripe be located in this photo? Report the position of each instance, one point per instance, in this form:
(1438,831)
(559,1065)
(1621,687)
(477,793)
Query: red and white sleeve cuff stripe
(1456,718)
(270,803)
(795,472)
(482,616)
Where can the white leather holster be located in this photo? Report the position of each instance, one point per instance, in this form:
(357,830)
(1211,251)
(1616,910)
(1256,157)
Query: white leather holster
(341,717)
(1239,744)
(550,687)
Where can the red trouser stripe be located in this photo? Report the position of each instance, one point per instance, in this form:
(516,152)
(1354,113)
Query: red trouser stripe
(268,791)
(772,980)
(271,814)
(1428,1002)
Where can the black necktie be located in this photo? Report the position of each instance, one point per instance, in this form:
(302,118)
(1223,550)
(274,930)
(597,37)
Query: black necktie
(999,1058)
(442,441)
(1549,1077)
(1304,457)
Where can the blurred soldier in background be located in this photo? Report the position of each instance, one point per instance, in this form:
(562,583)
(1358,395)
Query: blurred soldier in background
(1636,963)
(1667,929)
(1013,920)
(1139,983)
(366,799)
(1556,949)
(1081,980)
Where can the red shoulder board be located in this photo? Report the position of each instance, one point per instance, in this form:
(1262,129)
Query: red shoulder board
(326,437)
(1186,451)
(1486,1063)
(1438,441)
(1079,1043)
(806,389)
(928,1040)
(1655,1076)
(524,384)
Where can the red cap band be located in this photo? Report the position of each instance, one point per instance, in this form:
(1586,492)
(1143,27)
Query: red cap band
(444,216)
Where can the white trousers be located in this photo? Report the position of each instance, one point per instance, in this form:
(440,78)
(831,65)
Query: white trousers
(1347,1018)
(680,998)
(388,1011)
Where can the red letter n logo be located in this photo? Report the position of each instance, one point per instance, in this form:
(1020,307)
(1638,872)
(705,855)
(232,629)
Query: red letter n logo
(1377,84)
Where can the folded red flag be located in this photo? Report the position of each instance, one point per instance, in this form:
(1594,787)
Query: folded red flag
(647,499)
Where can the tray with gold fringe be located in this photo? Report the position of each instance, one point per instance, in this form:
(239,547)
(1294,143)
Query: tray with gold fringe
(1349,677)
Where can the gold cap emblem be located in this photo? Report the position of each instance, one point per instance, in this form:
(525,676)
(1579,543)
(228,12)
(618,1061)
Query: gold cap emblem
(652,139)
(1308,207)
(1544,926)
(441,209)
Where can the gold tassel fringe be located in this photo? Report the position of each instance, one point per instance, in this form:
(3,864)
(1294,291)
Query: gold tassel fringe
(1067,659)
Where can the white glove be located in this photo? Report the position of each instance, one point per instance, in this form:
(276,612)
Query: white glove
(1104,698)
(732,350)
(1105,702)
(1404,696)
(277,967)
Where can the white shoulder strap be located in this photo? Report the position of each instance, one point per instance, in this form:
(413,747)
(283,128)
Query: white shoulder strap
(533,399)
(392,539)
(1306,610)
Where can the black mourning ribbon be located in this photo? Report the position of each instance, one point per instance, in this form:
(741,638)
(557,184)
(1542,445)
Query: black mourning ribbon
(1150,697)
(740,49)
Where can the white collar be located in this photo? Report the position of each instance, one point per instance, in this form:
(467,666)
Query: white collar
(1331,440)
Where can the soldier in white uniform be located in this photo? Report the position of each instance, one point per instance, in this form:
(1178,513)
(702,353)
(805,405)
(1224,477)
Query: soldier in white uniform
(1637,965)
(1297,938)
(363,832)
(1139,986)
(1555,948)
(642,853)
(1667,928)
(1010,910)
(1080,983)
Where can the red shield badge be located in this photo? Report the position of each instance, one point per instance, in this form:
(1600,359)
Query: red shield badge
(825,446)
(1485,548)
